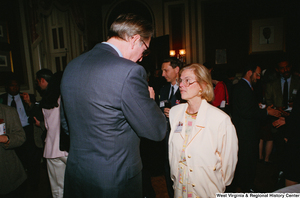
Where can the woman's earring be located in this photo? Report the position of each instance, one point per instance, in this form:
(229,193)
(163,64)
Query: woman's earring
(200,91)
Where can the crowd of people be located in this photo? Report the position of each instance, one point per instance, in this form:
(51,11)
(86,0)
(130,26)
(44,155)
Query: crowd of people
(92,116)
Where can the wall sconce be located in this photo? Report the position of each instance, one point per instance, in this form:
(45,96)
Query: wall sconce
(180,54)
(172,53)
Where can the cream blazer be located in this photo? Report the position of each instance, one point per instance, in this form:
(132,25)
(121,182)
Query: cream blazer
(211,151)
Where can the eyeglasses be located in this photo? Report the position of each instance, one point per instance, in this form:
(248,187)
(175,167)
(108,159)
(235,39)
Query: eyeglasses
(258,74)
(147,51)
(186,82)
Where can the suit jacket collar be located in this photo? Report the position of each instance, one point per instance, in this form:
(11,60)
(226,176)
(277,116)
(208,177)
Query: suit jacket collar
(178,95)
(165,90)
(5,99)
(114,47)
(245,84)
(106,47)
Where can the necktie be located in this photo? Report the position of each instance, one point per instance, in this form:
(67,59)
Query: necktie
(13,102)
(285,94)
(172,93)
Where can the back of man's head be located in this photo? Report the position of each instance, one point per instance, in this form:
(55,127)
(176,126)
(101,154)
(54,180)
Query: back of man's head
(251,66)
(174,62)
(44,73)
(128,25)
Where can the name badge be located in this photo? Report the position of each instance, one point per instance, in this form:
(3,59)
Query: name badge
(162,104)
(178,127)
(222,105)
(2,129)
(295,91)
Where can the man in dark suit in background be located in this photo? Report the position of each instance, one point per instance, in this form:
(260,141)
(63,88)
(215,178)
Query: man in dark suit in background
(275,91)
(246,117)
(108,108)
(24,103)
(281,93)
(169,96)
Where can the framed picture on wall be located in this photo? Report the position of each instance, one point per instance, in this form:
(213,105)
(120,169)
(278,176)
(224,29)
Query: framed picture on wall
(5,61)
(267,35)
(221,56)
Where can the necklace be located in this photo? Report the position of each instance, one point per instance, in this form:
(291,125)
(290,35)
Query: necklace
(191,114)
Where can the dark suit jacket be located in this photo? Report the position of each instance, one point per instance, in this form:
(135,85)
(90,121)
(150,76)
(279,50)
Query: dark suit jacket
(108,108)
(4,98)
(12,173)
(293,125)
(273,93)
(246,114)
(164,95)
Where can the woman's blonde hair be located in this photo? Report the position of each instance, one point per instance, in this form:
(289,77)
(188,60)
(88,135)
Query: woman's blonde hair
(203,77)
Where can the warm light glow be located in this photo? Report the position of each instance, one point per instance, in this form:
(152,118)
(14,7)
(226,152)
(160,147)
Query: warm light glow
(182,52)
(172,53)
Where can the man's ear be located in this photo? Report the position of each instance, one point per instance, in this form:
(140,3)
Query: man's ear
(177,69)
(134,39)
(249,73)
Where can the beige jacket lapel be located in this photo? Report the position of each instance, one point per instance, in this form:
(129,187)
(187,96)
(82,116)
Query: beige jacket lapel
(200,121)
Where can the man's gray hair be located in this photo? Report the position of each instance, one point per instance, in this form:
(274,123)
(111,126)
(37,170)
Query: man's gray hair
(128,25)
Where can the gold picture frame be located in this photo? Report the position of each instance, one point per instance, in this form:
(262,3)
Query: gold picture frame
(6,63)
(267,35)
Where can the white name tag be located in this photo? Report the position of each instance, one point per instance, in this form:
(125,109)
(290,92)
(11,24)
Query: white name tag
(294,91)
(222,105)
(2,129)
(162,104)
(178,127)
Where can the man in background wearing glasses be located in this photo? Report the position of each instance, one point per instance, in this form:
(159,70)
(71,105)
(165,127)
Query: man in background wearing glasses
(246,117)
(108,108)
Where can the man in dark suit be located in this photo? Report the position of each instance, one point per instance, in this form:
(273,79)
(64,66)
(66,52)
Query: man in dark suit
(281,93)
(169,96)
(108,108)
(246,117)
(275,89)
(28,153)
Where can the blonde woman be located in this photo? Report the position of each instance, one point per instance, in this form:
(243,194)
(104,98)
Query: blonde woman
(203,144)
